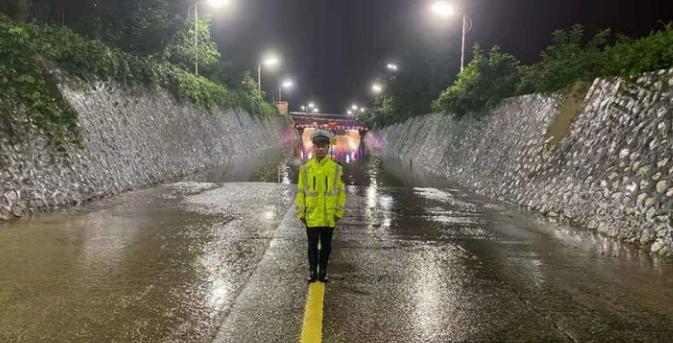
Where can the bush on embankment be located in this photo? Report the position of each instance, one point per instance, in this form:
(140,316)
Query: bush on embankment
(490,78)
(28,51)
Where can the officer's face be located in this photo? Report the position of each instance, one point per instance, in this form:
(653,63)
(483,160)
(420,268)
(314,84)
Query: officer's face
(321,149)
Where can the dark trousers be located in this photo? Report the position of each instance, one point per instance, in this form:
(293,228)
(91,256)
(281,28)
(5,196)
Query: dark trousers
(315,256)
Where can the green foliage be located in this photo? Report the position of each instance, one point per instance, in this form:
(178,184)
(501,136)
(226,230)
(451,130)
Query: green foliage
(137,26)
(566,60)
(251,101)
(25,50)
(569,59)
(23,83)
(148,27)
(182,50)
(382,114)
(482,84)
(629,56)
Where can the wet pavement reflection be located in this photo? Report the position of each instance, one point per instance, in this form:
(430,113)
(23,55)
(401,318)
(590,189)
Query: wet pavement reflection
(439,264)
(220,256)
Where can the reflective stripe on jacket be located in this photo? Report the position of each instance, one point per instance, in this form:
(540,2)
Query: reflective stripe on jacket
(321,192)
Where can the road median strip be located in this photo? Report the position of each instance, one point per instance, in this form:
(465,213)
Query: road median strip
(311,331)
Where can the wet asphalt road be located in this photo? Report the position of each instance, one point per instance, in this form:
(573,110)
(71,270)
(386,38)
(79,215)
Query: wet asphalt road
(414,260)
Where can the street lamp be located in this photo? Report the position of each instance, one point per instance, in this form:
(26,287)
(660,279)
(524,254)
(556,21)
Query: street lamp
(308,108)
(287,83)
(316,110)
(377,88)
(355,110)
(270,61)
(214,4)
(392,67)
(444,10)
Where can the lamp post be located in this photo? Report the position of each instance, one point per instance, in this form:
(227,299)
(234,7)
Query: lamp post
(270,61)
(377,89)
(392,67)
(444,10)
(285,84)
(355,110)
(308,108)
(212,3)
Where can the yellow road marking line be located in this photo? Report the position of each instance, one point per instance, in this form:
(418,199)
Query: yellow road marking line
(311,332)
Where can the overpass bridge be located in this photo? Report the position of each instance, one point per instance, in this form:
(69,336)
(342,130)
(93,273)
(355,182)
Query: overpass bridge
(331,122)
(348,133)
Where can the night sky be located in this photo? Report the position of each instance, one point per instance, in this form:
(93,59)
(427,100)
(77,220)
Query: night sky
(334,48)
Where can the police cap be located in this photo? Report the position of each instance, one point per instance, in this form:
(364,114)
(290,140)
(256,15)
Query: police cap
(321,136)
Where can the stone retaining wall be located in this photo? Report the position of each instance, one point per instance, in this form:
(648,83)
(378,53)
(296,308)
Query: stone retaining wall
(613,173)
(134,137)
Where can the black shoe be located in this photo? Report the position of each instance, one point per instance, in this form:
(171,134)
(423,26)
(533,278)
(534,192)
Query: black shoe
(322,277)
(312,277)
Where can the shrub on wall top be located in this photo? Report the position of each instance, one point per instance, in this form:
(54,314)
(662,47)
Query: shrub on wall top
(487,80)
(484,81)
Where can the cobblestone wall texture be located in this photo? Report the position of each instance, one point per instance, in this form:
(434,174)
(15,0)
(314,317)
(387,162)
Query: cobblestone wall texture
(134,137)
(613,173)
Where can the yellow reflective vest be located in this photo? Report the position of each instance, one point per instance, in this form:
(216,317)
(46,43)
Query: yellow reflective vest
(321,193)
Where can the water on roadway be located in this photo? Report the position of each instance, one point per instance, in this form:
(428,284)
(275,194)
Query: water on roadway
(220,257)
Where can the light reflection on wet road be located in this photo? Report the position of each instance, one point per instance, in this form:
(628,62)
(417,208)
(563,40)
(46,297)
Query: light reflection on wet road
(414,260)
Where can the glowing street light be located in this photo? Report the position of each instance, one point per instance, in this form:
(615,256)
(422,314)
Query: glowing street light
(316,110)
(269,61)
(287,83)
(392,67)
(218,3)
(350,112)
(211,3)
(444,10)
(308,108)
(377,88)
(354,107)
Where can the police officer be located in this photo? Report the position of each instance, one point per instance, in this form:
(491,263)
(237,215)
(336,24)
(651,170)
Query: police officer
(321,198)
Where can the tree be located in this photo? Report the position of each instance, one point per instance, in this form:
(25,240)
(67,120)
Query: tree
(149,27)
(630,56)
(566,60)
(182,50)
(484,82)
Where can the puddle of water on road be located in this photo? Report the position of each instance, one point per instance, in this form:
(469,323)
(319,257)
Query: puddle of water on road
(139,266)
(91,274)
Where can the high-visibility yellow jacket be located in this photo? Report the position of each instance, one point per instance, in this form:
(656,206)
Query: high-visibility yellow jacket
(321,193)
